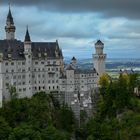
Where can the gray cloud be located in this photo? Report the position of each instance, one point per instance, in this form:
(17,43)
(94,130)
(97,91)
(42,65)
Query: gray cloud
(120,8)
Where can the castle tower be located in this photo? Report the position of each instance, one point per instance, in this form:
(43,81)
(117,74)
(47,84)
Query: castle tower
(99,58)
(28,63)
(10,27)
(73,61)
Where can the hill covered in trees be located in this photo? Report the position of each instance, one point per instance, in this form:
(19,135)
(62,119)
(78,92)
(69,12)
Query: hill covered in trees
(42,117)
(38,118)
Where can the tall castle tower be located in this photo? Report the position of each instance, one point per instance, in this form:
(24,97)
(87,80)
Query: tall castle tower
(28,63)
(99,58)
(10,27)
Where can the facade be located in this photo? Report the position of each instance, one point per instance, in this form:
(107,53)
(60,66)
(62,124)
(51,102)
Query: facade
(38,66)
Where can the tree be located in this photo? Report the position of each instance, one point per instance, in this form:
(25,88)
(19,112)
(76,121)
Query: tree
(12,91)
(24,132)
(5,129)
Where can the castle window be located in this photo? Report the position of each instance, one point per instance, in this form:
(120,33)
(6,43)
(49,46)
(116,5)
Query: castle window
(12,70)
(23,76)
(34,69)
(48,62)
(39,88)
(48,69)
(56,69)
(19,77)
(6,63)
(6,84)
(43,87)
(23,83)
(23,70)
(36,62)
(35,88)
(19,90)
(39,75)
(54,62)
(24,89)
(42,62)
(14,83)
(14,77)
(39,69)
(49,87)
(53,87)
(57,87)
(52,81)
(6,70)
(12,63)
(48,81)
(19,63)
(43,75)
(42,69)
(7,77)
(56,81)
(23,63)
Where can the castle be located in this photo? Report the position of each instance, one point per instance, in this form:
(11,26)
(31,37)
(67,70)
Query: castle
(38,66)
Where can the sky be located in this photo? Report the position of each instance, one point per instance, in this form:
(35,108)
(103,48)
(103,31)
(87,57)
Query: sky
(78,24)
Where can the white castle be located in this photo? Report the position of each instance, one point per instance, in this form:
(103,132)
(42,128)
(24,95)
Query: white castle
(38,66)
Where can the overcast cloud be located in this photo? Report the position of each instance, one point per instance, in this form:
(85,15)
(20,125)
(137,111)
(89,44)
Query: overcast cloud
(123,8)
(77,24)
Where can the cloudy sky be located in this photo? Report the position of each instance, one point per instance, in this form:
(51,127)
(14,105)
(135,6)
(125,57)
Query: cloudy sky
(77,24)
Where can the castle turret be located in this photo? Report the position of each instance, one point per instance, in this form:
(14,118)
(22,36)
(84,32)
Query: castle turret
(27,43)
(99,58)
(28,63)
(10,27)
(73,60)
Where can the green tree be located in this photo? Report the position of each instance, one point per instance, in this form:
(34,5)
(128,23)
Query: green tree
(12,91)
(5,129)
(24,132)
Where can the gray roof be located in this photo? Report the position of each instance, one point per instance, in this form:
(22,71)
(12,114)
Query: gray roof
(73,58)
(16,49)
(27,36)
(99,42)
(84,71)
(9,17)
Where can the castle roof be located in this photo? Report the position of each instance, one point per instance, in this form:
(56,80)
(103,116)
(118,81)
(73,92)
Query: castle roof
(27,36)
(17,49)
(85,71)
(99,42)
(9,17)
(73,58)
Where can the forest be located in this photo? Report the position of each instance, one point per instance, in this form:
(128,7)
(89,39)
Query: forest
(41,117)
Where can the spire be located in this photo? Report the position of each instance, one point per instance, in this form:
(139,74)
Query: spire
(27,36)
(9,16)
(10,27)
